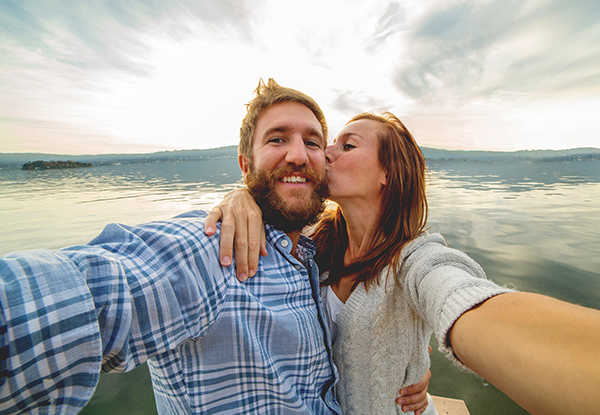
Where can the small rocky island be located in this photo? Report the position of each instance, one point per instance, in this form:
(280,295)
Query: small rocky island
(48,165)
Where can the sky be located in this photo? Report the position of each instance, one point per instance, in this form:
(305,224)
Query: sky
(137,76)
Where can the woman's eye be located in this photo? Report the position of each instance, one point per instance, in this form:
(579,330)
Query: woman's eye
(348,146)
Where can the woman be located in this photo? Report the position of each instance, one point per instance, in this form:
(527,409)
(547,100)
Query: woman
(388,284)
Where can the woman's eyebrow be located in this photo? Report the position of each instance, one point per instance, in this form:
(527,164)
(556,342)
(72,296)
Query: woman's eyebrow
(348,134)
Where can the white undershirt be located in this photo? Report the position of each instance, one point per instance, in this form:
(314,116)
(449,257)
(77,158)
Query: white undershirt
(333,306)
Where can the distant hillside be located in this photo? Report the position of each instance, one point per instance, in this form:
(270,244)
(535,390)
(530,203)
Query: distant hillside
(16,160)
(587,153)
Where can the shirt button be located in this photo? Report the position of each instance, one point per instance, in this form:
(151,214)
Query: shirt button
(297,266)
(284,243)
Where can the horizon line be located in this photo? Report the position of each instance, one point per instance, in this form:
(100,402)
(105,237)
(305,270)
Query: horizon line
(224,147)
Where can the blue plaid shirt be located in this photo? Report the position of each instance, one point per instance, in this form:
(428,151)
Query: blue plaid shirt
(157,293)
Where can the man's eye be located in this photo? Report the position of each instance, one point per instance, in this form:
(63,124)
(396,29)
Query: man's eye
(313,143)
(276,140)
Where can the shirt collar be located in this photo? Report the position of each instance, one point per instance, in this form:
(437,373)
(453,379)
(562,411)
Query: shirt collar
(306,248)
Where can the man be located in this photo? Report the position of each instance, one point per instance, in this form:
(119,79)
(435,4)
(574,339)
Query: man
(157,292)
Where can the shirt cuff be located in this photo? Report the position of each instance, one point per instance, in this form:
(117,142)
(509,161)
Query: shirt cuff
(49,333)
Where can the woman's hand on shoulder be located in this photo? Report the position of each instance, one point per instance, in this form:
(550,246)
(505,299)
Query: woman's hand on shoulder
(242,229)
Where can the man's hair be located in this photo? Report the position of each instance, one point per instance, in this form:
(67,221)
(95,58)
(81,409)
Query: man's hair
(266,95)
(403,213)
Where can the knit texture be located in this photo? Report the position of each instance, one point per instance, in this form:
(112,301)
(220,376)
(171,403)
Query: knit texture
(383,334)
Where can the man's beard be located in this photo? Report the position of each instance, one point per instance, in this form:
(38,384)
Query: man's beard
(275,210)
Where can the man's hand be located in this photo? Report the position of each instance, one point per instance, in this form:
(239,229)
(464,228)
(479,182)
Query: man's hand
(414,397)
(243,226)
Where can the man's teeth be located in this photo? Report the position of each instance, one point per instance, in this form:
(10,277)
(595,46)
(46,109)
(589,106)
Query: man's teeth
(293,179)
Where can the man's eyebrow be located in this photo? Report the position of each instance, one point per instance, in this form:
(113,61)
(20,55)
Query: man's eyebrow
(286,129)
(278,129)
(313,132)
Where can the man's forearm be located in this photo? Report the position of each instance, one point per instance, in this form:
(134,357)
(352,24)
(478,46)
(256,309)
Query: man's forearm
(50,346)
(541,352)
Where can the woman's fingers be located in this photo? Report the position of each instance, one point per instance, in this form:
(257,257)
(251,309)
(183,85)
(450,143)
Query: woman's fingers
(242,232)
(210,224)
(256,241)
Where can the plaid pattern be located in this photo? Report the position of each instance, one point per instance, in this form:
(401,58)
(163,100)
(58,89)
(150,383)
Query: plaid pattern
(157,292)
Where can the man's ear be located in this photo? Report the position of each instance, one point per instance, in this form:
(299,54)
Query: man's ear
(244,164)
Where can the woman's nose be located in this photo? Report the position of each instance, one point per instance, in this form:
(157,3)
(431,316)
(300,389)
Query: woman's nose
(328,155)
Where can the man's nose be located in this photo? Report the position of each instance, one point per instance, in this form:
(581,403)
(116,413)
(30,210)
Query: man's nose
(296,153)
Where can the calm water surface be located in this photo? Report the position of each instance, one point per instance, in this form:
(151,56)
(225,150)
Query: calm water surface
(530,225)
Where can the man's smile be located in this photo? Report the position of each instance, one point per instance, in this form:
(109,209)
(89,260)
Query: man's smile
(293,179)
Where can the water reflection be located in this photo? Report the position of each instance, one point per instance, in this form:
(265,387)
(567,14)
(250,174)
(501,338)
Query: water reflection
(55,208)
(531,225)
(515,176)
(539,236)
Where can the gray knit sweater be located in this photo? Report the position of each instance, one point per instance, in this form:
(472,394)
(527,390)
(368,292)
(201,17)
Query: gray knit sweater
(383,334)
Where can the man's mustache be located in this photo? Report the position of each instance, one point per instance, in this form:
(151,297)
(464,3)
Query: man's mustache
(289,170)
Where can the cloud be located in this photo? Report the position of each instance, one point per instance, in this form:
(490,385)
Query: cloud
(390,22)
(130,71)
(352,102)
(473,50)
(175,73)
(98,35)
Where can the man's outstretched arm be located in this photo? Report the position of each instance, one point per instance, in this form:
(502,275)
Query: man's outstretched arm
(50,343)
(66,315)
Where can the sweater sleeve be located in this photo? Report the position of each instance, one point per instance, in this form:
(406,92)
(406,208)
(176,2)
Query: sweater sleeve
(442,284)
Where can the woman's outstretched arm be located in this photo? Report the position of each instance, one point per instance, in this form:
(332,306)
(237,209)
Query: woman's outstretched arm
(542,352)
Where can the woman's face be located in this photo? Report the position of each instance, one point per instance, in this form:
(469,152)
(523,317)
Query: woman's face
(353,168)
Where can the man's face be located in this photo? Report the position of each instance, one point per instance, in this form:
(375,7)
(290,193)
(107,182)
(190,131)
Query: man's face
(287,175)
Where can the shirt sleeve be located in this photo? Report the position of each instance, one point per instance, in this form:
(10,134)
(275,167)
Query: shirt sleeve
(166,286)
(49,339)
(442,284)
(131,293)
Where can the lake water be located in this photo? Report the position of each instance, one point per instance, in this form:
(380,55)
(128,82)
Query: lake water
(531,225)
